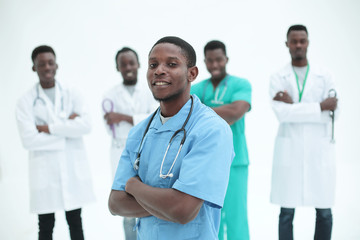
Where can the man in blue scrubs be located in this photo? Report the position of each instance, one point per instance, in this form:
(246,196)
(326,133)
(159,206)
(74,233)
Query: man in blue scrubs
(174,171)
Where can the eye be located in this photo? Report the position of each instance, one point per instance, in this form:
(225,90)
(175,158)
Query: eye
(152,65)
(172,64)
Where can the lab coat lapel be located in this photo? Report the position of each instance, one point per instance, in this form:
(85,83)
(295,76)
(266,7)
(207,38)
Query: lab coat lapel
(291,83)
(48,103)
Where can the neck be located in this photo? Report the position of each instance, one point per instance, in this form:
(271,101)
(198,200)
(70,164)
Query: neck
(130,83)
(216,81)
(47,84)
(299,63)
(172,107)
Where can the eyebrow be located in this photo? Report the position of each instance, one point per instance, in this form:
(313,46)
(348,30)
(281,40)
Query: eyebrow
(169,58)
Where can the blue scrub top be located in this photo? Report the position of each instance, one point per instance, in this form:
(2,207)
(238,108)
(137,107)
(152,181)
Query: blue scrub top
(201,170)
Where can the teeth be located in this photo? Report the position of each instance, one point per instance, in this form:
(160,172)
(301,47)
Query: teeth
(129,74)
(160,83)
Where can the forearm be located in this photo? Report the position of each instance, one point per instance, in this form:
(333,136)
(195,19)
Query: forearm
(165,203)
(71,128)
(232,112)
(123,204)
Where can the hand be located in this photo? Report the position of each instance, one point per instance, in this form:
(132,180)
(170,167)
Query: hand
(329,104)
(43,128)
(114,118)
(73,116)
(130,183)
(283,96)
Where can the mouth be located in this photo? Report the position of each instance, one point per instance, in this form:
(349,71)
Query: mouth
(161,83)
(215,72)
(130,74)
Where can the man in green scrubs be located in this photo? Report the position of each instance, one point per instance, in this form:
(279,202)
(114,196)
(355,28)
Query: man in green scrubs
(230,98)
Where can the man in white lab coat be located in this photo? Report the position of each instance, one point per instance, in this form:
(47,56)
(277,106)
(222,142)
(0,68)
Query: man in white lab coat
(304,154)
(124,106)
(51,121)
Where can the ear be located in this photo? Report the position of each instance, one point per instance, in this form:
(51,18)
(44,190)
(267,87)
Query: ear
(286,43)
(33,68)
(192,73)
(227,59)
(57,66)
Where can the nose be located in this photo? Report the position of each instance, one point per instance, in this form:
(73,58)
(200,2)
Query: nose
(159,70)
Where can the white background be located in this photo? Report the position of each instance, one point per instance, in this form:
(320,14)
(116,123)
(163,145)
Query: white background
(86,36)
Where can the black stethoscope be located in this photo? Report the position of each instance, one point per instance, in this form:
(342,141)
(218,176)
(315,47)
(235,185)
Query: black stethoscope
(182,129)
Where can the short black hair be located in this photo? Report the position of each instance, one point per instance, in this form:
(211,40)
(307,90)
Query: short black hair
(297,27)
(125,49)
(214,44)
(187,50)
(41,49)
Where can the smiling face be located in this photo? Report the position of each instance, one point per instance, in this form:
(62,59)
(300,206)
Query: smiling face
(216,61)
(45,66)
(128,66)
(169,77)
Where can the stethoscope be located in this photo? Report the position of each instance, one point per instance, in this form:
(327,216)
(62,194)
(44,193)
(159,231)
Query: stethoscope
(332,93)
(38,98)
(182,129)
(217,99)
(108,106)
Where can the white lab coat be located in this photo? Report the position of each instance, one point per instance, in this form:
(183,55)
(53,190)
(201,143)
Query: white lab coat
(58,168)
(304,159)
(138,105)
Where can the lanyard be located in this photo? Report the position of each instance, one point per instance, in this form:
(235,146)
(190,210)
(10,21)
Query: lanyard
(297,82)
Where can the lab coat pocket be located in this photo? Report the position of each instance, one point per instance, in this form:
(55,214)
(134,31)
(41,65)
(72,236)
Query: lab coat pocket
(282,151)
(176,231)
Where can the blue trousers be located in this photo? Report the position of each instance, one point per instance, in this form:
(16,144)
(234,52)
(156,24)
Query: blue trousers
(323,225)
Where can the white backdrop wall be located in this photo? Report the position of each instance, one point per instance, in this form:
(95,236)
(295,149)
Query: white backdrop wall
(86,36)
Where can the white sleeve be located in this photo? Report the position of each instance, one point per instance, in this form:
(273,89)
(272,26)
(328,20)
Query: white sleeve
(31,139)
(73,128)
(296,112)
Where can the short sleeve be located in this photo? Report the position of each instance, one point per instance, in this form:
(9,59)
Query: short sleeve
(241,91)
(125,168)
(205,169)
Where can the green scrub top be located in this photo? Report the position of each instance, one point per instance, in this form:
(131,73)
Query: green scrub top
(229,90)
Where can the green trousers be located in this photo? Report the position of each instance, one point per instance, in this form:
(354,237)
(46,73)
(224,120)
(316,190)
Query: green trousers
(234,221)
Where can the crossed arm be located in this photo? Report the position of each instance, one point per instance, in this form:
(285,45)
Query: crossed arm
(328,104)
(232,112)
(141,200)
(45,128)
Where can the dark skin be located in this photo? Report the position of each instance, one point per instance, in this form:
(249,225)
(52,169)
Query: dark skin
(329,104)
(45,66)
(128,65)
(297,42)
(216,61)
(169,79)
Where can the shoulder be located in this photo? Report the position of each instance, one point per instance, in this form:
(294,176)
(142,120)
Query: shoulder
(207,120)
(319,70)
(28,96)
(199,86)
(113,91)
(238,81)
